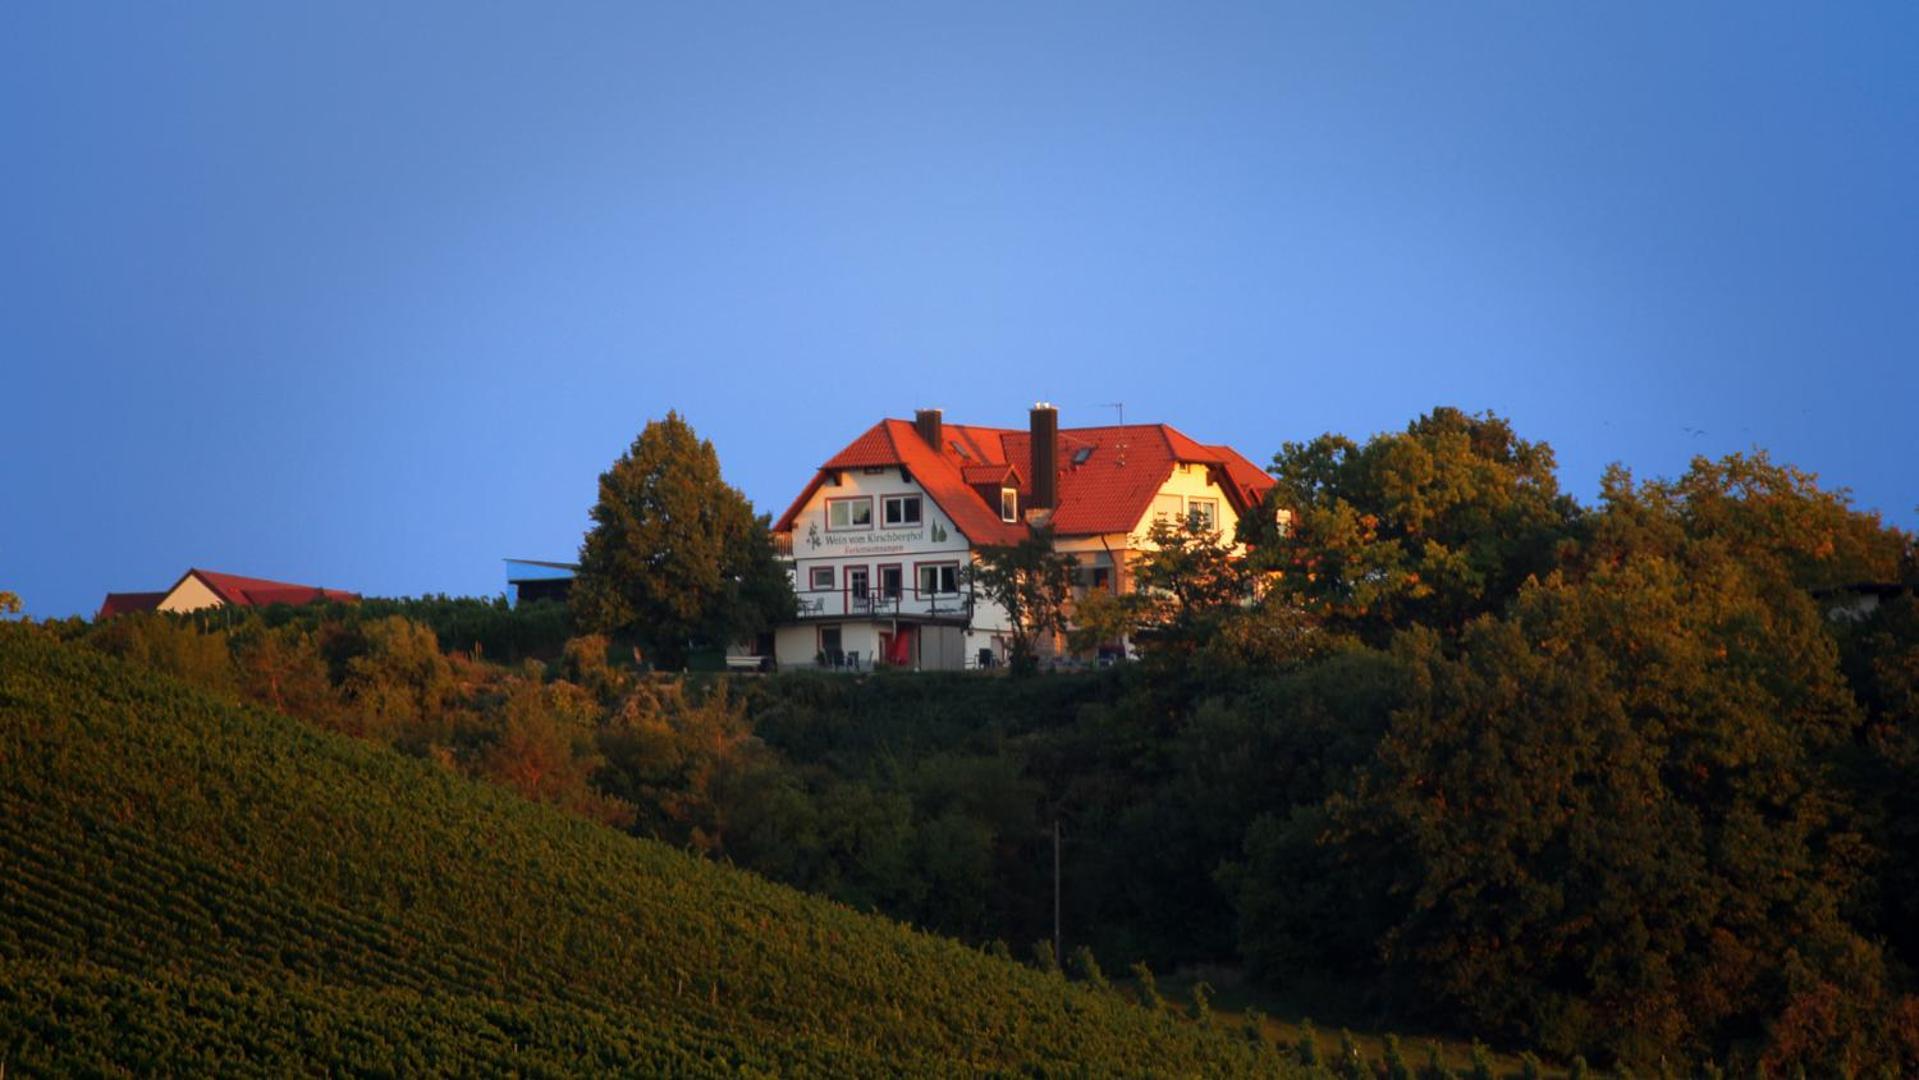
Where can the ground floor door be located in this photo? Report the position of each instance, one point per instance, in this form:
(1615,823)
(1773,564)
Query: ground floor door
(898,647)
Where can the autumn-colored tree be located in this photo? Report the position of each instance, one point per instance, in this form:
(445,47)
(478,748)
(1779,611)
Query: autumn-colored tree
(1187,582)
(544,749)
(398,684)
(1605,819)
(1773,518)
(583,661)
(9,603)
(676,558)
(1627,772)
(687,761)
(1031,583)
(1196,596)
(1430,526)
(282,668)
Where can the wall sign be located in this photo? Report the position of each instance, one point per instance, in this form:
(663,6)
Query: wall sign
(878,542)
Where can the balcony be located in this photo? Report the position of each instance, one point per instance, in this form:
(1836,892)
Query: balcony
(783,545)
(953,607)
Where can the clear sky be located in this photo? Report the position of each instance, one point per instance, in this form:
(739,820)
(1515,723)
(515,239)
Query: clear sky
(366,295)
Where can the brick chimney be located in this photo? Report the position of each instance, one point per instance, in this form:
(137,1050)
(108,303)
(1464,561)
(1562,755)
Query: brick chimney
(927,422)
(1045,457)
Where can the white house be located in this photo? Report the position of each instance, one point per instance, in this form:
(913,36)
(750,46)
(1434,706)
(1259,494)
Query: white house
(879,536)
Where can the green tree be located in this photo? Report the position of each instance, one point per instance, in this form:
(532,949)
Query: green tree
(676,558)
(1031,582)
(1429,526)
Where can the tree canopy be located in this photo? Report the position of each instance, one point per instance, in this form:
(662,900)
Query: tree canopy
(1637,806)
(1429,526)
(676,557)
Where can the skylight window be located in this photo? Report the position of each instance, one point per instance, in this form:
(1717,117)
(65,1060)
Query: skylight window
(1080,455)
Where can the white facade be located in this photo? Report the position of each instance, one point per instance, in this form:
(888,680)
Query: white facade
(191,594)
(878,568)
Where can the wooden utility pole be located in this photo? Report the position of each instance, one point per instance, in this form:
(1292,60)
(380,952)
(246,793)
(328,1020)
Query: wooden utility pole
(1059,960)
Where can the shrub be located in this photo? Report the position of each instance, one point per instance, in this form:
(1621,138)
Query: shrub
(1087,965)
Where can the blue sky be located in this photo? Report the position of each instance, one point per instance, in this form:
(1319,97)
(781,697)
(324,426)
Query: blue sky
(367,295)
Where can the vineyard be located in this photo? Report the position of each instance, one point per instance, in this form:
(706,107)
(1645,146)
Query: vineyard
(194,886)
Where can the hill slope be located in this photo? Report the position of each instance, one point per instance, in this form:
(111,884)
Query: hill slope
(193,886)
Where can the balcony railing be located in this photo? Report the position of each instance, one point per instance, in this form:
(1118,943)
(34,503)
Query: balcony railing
(880,604)
(783,545)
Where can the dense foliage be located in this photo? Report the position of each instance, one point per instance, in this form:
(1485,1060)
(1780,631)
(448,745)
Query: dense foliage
(1430,526)
(196,886)
(676,558)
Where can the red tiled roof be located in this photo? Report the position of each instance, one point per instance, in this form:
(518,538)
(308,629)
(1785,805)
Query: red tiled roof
(1253,481)
(1108,492)
(895,442)
(260,592)
(119,603)
(989,474)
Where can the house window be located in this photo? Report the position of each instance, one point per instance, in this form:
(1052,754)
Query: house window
(892,581)
(1203,513)
(1008,504)
(900,510)
(1102,577)
(937,578)
(820,577)
(849,513)
(1080,455)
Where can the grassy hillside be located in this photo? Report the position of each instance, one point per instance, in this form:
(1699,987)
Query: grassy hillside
(193,886)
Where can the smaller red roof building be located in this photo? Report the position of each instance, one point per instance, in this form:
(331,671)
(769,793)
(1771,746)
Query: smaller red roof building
(199,589)
(120,603)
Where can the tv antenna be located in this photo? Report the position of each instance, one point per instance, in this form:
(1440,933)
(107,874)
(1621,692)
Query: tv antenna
(1120,446)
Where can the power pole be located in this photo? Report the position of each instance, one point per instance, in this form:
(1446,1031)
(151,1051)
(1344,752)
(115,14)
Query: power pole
(1059,960)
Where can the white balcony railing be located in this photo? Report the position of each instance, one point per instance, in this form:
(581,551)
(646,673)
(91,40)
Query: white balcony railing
(880,604)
